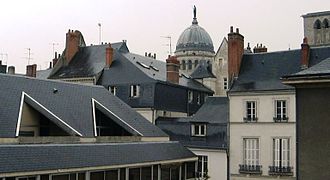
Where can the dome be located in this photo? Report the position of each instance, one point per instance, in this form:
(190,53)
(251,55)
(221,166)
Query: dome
(194,38)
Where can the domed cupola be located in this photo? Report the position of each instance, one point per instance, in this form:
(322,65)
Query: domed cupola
(194,38)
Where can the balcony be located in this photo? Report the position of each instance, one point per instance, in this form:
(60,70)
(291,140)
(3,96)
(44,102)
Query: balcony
(280,119)
(250,119)
(250,169)
(280,171)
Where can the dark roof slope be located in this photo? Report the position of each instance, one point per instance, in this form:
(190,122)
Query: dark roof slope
(214,113)
(262,71)
(203,70)
(72,103)
(20,158)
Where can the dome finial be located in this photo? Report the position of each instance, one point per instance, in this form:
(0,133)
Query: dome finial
(195,18)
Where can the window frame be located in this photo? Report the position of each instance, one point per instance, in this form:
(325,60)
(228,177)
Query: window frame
(251,151)
(281,116)
(251,113)
(113,90)
(201,128)
(203,162)
(135,91)
(281,152)
(190,95)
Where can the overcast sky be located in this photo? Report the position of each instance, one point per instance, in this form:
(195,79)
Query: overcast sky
(36,24)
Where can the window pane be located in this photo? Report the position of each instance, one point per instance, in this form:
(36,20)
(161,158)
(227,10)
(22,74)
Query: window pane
(134,174)
(155,172)
(190,170)
(73,176)
(81,176)
(165,173)
(45,177)
(62,177)
(202,129)
(122,174)
(111,175)
(175,173)
(96,175)
(146,173)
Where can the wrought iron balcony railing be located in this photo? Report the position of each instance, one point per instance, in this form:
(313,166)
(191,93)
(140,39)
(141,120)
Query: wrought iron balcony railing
(250,169)
(250,119)
(283,171)
(280,119)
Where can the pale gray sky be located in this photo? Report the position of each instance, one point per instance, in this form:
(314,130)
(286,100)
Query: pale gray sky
(36,24)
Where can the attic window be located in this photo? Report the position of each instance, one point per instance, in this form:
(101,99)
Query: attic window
(198,130)
(135,91)
(154,68)
(185,76)
(143,65)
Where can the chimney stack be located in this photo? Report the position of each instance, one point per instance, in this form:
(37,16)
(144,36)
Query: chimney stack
(305,50)
(235,52)
(108,56)
(73,41)
(259,49)
(31,70)
(172,69)
(11,70)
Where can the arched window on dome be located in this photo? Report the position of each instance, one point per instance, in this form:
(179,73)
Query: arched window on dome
(183,65)
(317,24)
(196,63)
(189,64)
(325,23)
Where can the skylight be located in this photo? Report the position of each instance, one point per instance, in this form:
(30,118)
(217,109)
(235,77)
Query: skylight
(143,65)
(154,68)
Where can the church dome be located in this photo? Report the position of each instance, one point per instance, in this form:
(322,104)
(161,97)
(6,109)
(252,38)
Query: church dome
(194,38)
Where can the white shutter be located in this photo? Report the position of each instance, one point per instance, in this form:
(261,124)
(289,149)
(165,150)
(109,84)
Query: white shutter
(285,152)
(277,152)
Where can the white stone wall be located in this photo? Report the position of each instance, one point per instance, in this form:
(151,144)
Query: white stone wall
(217,162)
(316,36)
(265,129)
(220,69)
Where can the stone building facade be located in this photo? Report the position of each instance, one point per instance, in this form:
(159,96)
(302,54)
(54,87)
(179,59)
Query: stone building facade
(316,28)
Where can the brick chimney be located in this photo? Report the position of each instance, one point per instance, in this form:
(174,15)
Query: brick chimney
(259,49)
(11,70)
(305,49)
(31,70)
(73,41)
(172,69)
(108,56)
(235,52)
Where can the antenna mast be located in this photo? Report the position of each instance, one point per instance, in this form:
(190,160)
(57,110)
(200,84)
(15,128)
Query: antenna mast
(170,43)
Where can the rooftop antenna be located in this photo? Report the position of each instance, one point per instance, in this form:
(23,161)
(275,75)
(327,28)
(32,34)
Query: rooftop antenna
(170,43)
(99,24)
(29,55)
(54,44)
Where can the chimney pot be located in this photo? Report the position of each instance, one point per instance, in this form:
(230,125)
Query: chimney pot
(231,29)
(154,55)
(11,70)
(237,30)
(31,70)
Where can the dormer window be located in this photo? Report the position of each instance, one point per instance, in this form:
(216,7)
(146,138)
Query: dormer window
(135,91)
(113,90)
(198,129)
(190,96)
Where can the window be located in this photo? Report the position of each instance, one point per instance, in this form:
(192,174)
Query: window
(183,65)
(198,129)
(135,91)
(189,65)
(202,167)
(251,111)
(280,111)
(325,23)
(250,156)
(281,156)
(198,98)
(190,96)
(225,83)
(113,90)
(317,24)
(196,63)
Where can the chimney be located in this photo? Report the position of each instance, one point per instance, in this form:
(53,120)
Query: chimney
(73,41)
(172,69)
(108,56)
(154,55)
(31,70)
(3,68)
(235,52)
(11,70)
(305,49)
(259,49)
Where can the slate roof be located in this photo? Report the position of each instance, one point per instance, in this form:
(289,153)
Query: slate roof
(323,13)
(214,113)
(203,70)
(25,158)
(72,103)
(262,71)
(126,67)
